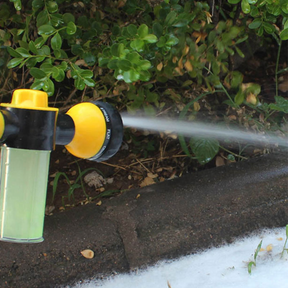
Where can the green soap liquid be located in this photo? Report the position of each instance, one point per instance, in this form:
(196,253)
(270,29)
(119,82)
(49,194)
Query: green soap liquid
(24,175)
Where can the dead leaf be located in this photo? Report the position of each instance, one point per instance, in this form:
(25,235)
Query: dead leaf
(94,179)
(269,247)
(188,66)
(147,181)
(99,203)
(160,66)
(87,253)
(196,106)
(151,175)
(81,62)
(49,209)
(283,87)
(219,161)
(251,98)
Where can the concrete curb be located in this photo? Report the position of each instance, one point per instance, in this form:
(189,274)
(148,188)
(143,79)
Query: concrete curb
(168,220)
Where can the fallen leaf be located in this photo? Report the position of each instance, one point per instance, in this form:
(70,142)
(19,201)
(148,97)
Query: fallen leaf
(94,179)
(219,161)
(87,253)
(283,87)
(151,175)
(196,106)
(269,247)
(49,210)
(147,181)
(99,203)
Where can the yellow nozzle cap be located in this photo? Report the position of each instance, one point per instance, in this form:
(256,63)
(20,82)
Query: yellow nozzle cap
(2,125)
(29,99)
(90,130)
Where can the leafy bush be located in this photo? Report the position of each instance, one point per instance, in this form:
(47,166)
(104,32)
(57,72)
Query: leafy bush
(130,48)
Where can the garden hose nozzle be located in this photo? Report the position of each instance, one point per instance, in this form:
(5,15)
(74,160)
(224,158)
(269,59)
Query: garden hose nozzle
(29,131)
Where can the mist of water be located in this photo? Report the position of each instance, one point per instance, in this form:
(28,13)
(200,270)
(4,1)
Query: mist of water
(203,130)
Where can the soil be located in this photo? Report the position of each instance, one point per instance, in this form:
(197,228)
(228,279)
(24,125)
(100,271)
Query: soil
(143,226)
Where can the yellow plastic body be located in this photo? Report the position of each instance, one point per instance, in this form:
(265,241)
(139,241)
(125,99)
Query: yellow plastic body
(90,130)
(27,99)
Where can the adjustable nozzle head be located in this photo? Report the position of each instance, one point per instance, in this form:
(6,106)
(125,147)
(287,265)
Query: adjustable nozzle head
(97,132)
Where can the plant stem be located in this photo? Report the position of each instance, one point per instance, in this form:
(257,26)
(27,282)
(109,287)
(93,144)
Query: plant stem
(284,248)
(234,154)
(277,66)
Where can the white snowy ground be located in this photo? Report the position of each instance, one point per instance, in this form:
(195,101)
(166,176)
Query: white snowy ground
(224,267)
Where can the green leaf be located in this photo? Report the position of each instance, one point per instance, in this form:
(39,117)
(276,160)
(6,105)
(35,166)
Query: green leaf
(23,52)
(234,1)
(60,77)
(124,64)
(89,82)
(284,34)
(32,47)
(181,23)
(89,58)
(79,83)
(157,29)
(48,87)
(144,75)
(68,17)
(31,62)
(46,30)
(150,38)
(42,18)
(281,104)
(52,6)
(170,19)
(13,53)
(71,28)
(37,73)
(204,149)
(239,97)
(37,4)
(56,42)
(133,57)
(113,64)
(143,30)
(256,23)
(137,45)
(250,264)
(236,80)
(86,74)
(132,30)
(240,53)
(131,76)
(172,40)
(37,85)
(14,62)
(143,65)
(245,6)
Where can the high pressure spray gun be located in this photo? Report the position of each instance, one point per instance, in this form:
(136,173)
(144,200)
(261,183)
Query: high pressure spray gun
(29,131)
